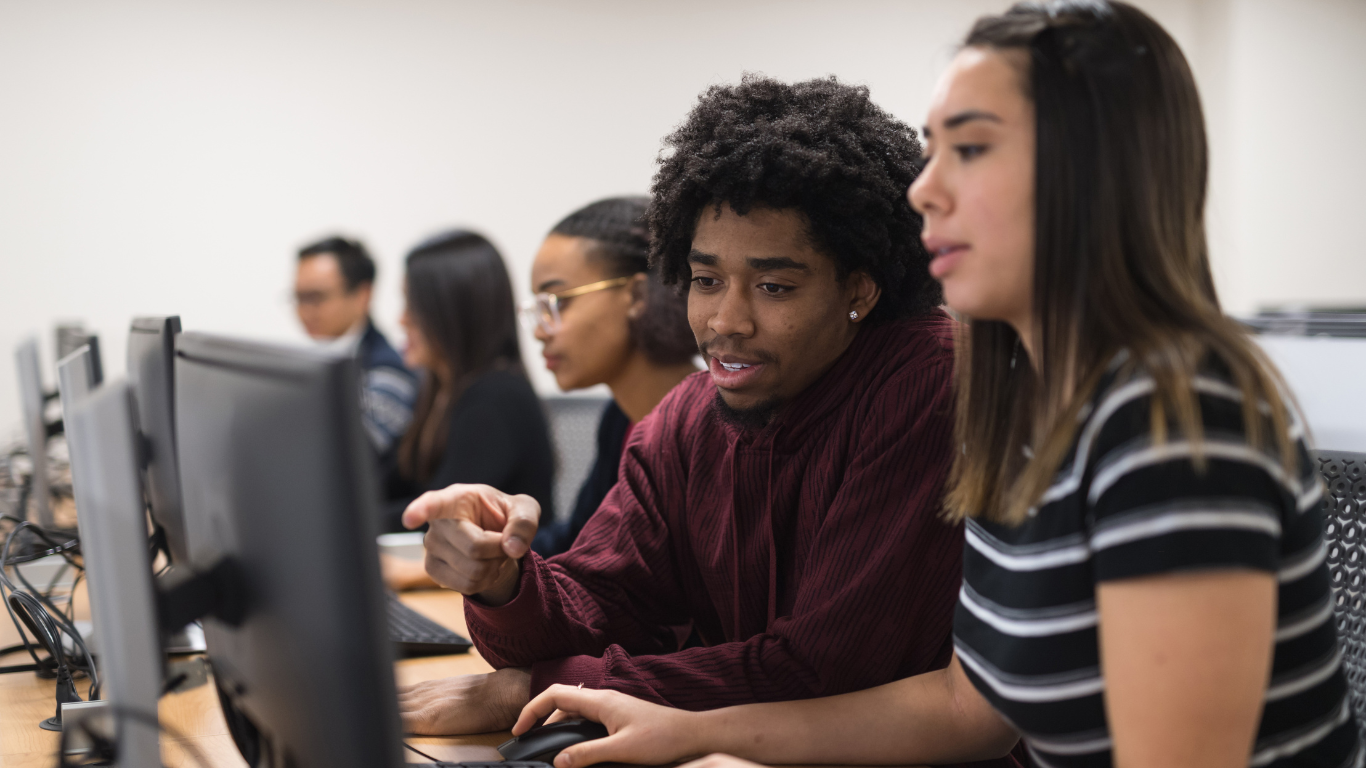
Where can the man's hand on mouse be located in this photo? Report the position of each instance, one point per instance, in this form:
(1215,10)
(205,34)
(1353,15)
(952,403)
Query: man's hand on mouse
(639,732)
(476,537)
(464,703)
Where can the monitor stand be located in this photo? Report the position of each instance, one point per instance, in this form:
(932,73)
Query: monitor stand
(188,640)
(87,630)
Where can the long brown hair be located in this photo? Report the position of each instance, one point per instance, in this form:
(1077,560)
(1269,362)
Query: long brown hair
(1120,257)
(460,297)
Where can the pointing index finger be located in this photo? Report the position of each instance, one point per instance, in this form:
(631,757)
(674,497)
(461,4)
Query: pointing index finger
(455,502)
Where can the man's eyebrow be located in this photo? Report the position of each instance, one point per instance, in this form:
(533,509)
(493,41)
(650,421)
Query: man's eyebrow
(547,285)
(779,262)
(758,265)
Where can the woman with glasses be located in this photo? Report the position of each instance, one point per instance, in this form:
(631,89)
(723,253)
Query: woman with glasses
(604,318)
(477,419)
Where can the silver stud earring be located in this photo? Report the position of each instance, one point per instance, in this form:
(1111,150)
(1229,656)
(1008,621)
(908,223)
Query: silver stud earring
(853,314)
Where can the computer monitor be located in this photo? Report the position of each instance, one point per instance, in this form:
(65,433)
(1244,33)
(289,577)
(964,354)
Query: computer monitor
(75,381)
(104,472)
(77,377)
(33,399)
(96,363)
(71,337)
(278,479)
(1326,375)
(151,375)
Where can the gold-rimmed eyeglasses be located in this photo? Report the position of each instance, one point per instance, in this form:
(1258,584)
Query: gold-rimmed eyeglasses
(543,310)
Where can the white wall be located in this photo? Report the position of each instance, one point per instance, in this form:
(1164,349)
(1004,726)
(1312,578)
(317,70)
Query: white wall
(163,157)
(1296,173)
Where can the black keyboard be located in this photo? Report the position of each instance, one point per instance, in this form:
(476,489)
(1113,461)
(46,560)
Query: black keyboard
(417,635)
(504,764)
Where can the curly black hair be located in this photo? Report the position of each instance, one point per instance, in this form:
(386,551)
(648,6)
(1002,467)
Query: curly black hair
(819,146)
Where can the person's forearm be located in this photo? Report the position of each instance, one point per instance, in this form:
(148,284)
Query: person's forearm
(922,719)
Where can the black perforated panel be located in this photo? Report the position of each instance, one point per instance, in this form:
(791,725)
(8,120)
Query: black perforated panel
(1344,527)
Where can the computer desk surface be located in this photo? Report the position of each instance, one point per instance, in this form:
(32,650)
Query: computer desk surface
(25,700)
(195,716)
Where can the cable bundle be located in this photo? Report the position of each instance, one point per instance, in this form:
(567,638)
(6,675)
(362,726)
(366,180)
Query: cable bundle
(41,616)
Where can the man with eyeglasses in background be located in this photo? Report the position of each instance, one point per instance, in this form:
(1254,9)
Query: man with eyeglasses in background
(333,286)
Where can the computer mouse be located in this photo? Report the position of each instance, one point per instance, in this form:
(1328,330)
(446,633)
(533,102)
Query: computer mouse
(543,742)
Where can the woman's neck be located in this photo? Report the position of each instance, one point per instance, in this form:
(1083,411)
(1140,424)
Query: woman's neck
(642,384)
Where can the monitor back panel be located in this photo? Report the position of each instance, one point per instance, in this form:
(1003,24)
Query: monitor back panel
(114,543)
(75,381)
(35,429)
(76,377)
(277,476)
(151,374)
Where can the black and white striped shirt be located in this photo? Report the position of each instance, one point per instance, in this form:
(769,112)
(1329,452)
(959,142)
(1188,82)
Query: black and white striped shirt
(1123,507)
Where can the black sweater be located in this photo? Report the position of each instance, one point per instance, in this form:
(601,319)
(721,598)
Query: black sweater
(497,436)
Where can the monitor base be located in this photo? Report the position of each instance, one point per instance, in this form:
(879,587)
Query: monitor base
(190,639)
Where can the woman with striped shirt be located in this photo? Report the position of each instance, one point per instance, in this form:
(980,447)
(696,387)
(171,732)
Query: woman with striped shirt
(1144,581)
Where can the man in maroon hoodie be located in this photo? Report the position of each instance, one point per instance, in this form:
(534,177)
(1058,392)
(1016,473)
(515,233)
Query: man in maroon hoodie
(781,508)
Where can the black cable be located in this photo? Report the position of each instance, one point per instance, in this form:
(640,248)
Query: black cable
(173,683)
(45,666)
(420,752)
(71,600)
(42,595)
(68,627)
(46,599)
(64,548)
(42,626)
(5,585)
(25,488)
(86,662)
(93,692)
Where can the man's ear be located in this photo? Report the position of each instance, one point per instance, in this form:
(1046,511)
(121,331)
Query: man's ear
(364,292)
(863,293)
(637,289)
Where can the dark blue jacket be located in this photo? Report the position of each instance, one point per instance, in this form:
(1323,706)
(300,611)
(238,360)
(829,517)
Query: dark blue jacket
(388,391)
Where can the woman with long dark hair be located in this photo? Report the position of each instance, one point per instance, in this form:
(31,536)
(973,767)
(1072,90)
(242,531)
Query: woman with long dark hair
(1144,580)
(604,316)
(477,419)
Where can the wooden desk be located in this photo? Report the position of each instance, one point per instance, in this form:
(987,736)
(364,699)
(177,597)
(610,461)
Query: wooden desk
(25,701)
